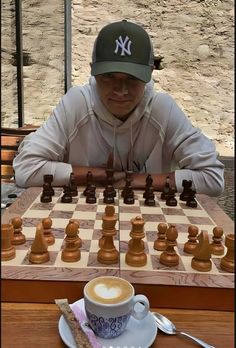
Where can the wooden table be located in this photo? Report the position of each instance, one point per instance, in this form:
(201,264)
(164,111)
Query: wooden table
(27,325)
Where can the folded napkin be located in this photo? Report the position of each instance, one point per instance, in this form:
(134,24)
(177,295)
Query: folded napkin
(82,319)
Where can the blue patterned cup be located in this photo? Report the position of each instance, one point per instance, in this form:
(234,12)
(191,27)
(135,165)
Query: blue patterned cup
(109,303)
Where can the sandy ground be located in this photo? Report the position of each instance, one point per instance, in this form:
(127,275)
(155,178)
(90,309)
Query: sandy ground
(195,39)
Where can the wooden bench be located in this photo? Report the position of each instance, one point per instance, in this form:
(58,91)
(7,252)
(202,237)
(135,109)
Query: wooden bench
(10,141)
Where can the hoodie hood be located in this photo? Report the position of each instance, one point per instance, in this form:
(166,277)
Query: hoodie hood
(102,113)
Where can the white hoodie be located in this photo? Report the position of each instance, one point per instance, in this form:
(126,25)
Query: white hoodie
(157,138)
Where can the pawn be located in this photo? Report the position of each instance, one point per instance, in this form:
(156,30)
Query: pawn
(47,231)
(128,181)
(18,237)
(108,195)
(73,185)
(169,257)
(8,251)
(227,262)
(202,254)
(166,189)
(160,242)
(129,195)
(170,199)
(150,197)
(191,201)
(192,242)
(89,181)
(46,196)
(39,248)
(48,178)
(217,248)
(91,195)
(71,251)
(66,198)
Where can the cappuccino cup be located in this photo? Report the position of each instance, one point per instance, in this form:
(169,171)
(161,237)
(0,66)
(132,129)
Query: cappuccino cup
(109,303)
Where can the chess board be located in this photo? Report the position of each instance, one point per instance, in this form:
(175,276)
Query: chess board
(176,287)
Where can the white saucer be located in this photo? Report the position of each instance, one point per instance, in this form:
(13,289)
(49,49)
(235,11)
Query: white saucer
(138,333)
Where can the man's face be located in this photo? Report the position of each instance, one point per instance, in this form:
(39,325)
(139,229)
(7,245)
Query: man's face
(120,93)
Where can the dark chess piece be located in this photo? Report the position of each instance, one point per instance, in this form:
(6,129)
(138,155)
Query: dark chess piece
(150,197)
(148,184)
(73,185)
(108,195)
(166,189)
(170,199)
(66,198)
(187,185)
(109,182)
(128,180)
(129,195)
(191,201)
(46,196)
(91,195)
(48,178)
(89,182)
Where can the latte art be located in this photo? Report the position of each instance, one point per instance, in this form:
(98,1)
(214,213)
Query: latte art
(108,290)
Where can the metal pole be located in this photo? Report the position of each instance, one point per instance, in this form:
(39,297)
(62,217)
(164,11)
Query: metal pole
(67,41)
(19,62)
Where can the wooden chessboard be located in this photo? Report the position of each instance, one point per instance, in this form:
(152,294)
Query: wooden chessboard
(176,287)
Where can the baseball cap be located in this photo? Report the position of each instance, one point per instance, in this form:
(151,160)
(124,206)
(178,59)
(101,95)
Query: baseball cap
(123,47)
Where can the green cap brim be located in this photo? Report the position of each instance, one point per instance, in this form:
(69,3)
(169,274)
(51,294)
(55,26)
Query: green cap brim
(141,72)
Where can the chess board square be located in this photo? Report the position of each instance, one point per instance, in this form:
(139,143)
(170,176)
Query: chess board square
(172,211)
(151,210)
(57,245)
(92,262)
(20,255)
(131,209)
(42,206)
(124,266)
(61,214)
(84,215)
(29,231)
(38,214)
(78,264)
(195,220)
(174,219)
(187,263)
(127,217)
(59,223)
(64,206)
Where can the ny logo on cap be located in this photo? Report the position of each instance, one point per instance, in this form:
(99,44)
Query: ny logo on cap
(120,43)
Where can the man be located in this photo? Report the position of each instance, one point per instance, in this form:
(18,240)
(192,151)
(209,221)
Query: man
(119,113)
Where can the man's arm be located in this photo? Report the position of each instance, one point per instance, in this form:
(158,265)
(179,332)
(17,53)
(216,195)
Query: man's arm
(99,175)
(139,181)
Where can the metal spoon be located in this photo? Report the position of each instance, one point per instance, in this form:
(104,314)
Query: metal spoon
(169,328)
